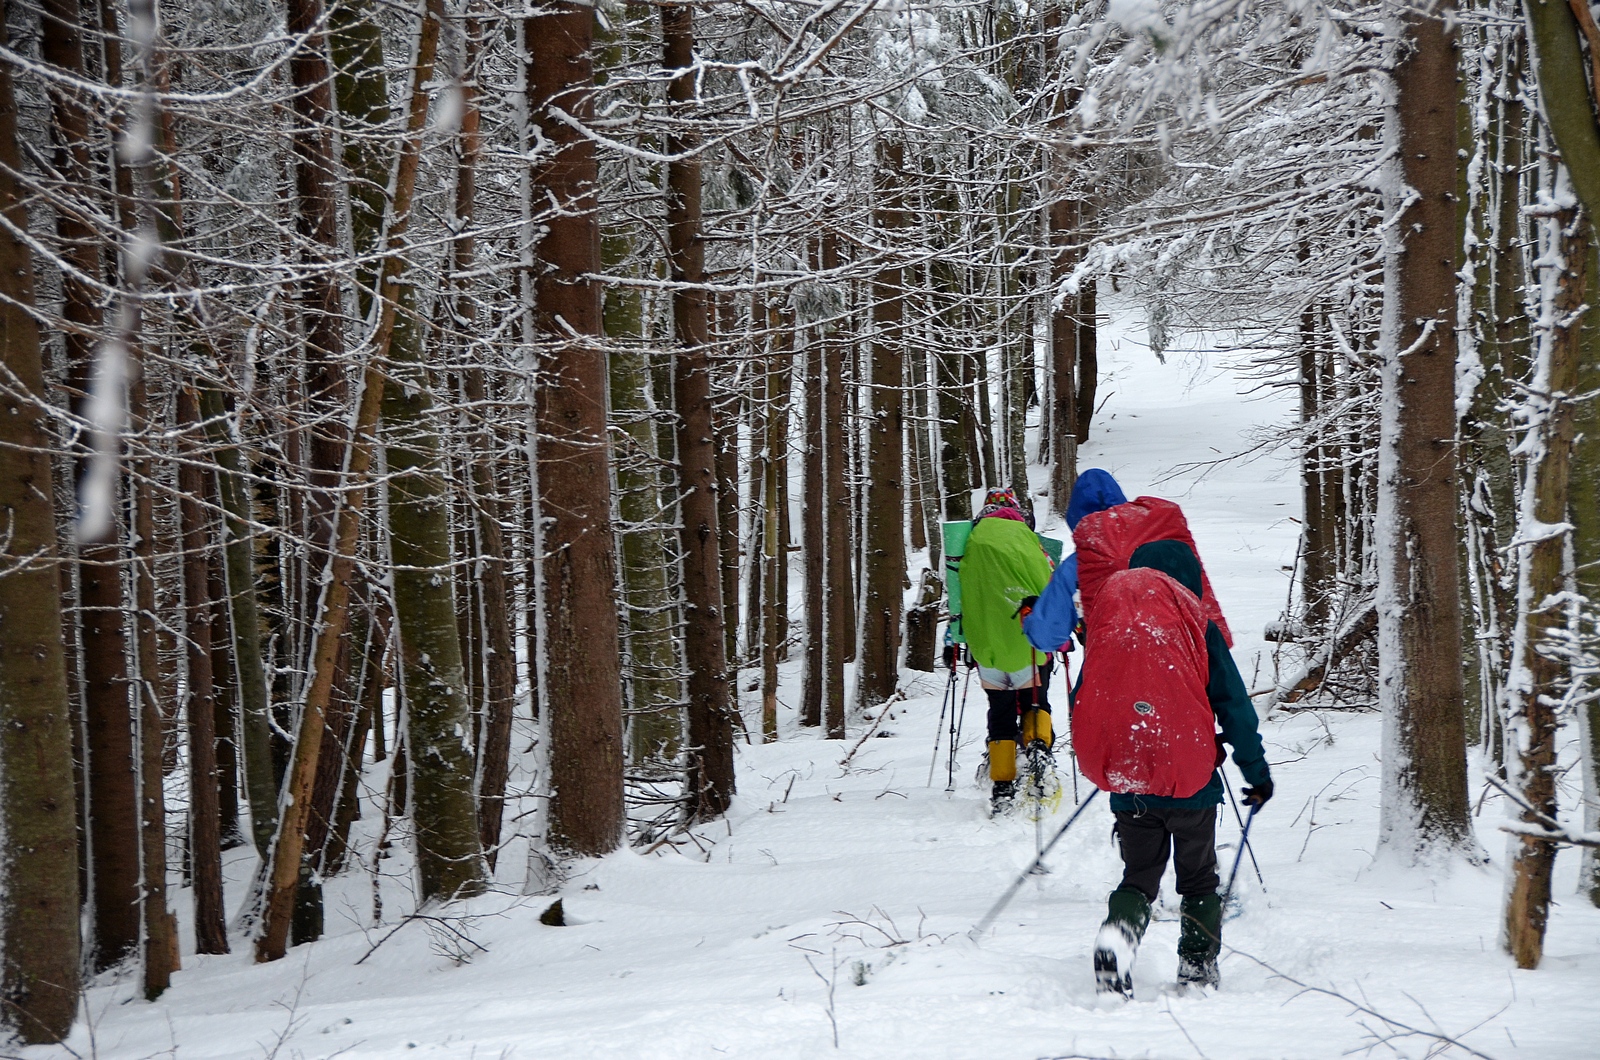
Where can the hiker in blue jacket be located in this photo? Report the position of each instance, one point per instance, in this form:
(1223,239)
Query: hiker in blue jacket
(1050,623)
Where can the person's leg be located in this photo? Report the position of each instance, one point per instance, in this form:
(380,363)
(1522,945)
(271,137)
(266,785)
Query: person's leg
(1003,734)
(1143,840)
(1194,840)
(1036,720)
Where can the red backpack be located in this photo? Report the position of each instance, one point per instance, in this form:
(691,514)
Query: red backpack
(1142,722)
(1106,540)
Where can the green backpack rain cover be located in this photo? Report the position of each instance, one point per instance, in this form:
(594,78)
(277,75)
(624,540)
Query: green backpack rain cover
(999,562)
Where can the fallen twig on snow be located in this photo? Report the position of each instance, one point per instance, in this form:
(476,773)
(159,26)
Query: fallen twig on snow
(1398,1029)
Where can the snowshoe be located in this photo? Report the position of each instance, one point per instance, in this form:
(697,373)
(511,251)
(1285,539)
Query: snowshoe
(1114,950)
(1041,783)
(1002,797)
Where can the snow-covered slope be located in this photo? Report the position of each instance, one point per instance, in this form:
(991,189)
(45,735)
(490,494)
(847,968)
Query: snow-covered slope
(832,907)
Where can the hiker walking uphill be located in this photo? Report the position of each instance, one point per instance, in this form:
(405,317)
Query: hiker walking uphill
(1003,564)
(1106,529)
(1157,682)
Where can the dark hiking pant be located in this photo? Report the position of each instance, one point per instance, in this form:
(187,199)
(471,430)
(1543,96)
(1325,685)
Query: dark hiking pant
(1148,834)
(1006,706)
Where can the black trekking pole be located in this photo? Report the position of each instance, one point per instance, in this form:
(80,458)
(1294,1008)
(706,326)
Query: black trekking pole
(956,722)
(1011,892)
(946,701)
(1238,855)
(1244,831)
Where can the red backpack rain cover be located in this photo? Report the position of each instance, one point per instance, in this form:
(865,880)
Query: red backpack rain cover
(1105,542)
(1142,722)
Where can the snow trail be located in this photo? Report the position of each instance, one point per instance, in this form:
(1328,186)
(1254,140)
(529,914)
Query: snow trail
(837,899)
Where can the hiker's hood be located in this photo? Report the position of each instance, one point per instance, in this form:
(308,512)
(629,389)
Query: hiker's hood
(1095,491)
(1173,558)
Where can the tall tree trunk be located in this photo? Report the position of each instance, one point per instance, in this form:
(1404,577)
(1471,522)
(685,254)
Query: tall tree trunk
(838,552)
(1538,654)
(757,469)
(500,677)
(1088,346)
(725,427)
(774,532)
(357,78)
(955,427)
(1424,792)
(655,693)
(578,571)
(710,780)
(1569,103)
(205,841)
(113,810)
(39,964)
(249,673)
(1063,410)
(811,535)
(884,595)
(1584,511)
(438,722)
(161,955)
(333,610)
(224,694)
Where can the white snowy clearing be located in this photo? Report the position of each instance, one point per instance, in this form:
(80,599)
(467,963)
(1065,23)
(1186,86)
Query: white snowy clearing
(831,909)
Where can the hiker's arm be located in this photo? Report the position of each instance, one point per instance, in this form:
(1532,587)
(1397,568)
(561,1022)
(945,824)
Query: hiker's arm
(1235,713)
(1049,626)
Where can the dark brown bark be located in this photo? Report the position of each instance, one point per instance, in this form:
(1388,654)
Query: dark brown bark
(224,687)
(1064,328)
(839,621)
(757,469)
(317,224)
(710,780)
(499,655)
(161,957)
(1543,575)
(205,841)
(113,810)
(1425,783)
(1088,353)
(725,416)
(333,613)
(39,966)
(811,534)
(775,531)
(580,643)
(885,572)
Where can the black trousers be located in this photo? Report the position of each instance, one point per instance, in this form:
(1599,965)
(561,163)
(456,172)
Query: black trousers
(1007,704)
(1146,836)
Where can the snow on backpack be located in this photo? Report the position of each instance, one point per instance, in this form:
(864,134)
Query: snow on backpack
(1142,722)
(1105,541)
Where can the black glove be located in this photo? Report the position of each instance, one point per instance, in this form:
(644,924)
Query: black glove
(1258,795)
(950,656)
(1025,608)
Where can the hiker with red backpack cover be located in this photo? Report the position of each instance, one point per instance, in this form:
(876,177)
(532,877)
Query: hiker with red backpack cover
(1106,528)
(1157,683)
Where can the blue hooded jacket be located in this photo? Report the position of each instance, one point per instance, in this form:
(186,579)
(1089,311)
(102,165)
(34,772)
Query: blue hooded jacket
(1049,627)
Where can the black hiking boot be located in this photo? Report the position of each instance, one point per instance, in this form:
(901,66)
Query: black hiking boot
(1127,915)
(1113,961)
(1199,941)
(1002,797)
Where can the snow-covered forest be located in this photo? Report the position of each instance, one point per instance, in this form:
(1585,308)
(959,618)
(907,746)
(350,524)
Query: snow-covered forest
(473,578)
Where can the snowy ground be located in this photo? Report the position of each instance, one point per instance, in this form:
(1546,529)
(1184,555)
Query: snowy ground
(832,907)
